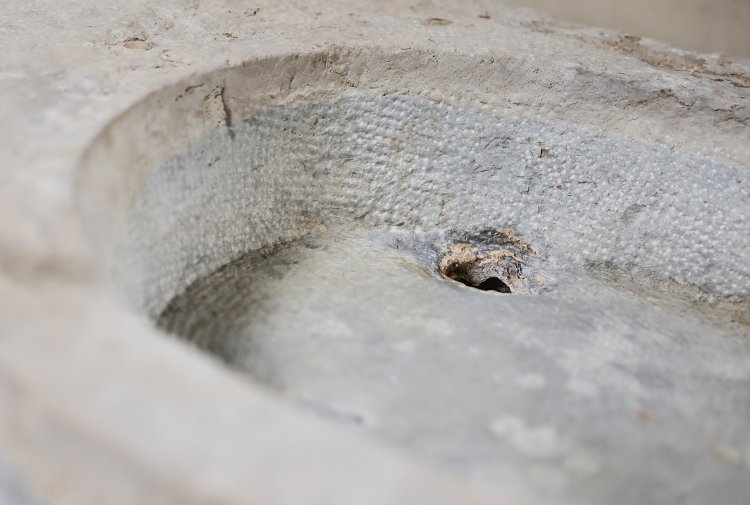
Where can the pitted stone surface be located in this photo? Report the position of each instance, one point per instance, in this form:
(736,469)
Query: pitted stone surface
(643,375)
(583,198)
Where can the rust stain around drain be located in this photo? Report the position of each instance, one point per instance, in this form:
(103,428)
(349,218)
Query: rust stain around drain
(499,269)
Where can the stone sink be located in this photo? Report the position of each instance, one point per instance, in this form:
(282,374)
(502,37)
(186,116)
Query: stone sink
(339,254)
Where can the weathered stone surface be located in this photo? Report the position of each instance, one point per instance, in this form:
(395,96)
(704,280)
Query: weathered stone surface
(161,142)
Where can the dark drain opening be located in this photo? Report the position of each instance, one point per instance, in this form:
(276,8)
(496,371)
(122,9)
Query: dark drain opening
(494,284)
(498,268)
(491,284)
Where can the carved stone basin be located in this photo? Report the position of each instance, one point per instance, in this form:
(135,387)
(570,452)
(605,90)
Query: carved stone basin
(301,243)
(368,252)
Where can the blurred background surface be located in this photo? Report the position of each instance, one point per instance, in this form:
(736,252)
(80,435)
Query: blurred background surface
(704,25)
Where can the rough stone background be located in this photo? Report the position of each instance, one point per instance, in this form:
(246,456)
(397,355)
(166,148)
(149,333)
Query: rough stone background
(701,25)
(95,405)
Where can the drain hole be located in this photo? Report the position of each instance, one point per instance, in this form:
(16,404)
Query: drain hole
(491,284)
(498,269)
(494,284)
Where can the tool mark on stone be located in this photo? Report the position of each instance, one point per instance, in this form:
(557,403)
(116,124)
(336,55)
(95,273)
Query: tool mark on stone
(188,91)
(437,22)
(138,42)
(215,110)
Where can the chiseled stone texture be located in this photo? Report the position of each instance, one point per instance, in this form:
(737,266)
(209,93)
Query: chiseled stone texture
(98,406)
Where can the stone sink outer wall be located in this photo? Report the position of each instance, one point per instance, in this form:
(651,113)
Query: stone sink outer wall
(96,406)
